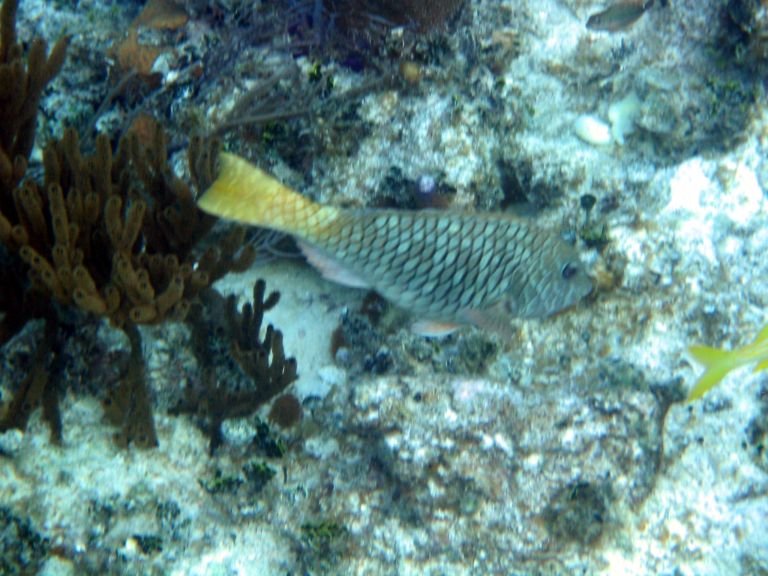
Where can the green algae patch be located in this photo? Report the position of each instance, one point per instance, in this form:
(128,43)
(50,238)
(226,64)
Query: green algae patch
(577,513)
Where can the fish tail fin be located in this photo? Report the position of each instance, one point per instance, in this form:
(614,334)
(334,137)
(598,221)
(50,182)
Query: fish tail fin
(717,362)
(245,193)
(763,335)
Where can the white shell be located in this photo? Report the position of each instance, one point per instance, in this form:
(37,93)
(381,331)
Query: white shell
(592,130)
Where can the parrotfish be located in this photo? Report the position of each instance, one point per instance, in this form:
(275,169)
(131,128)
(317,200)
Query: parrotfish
(619,16)
(719,362)
(447,268)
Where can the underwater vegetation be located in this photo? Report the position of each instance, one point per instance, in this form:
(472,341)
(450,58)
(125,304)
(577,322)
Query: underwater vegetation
(262,360)
(291,107)
(365,15)
(111,234)
(578,512)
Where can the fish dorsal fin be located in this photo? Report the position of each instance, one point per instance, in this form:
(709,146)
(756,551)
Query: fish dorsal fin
(330,267)
(433,328)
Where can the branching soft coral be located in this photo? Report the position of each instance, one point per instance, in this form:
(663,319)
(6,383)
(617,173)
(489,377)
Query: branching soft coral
(263,360)
(20,90)
(109,234)
(116,234)
(21,85)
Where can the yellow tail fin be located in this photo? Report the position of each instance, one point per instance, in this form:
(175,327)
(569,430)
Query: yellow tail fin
(718,364)
(244,193)
(763,364)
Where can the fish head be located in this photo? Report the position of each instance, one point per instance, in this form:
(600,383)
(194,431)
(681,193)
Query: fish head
(556,279)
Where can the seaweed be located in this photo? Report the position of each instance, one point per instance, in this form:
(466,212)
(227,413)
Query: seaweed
(113,234)
(257,475)
(297,113)
(20,90)
(254,475)
(323,543)
(370,16)
(218,396)
(577,512)
(128,406)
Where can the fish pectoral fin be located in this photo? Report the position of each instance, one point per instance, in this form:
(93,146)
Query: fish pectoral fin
(433,328)
(331,268)
(493,319)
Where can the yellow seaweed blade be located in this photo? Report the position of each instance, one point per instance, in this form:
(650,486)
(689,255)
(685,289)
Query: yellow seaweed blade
(718,364)
(244,193)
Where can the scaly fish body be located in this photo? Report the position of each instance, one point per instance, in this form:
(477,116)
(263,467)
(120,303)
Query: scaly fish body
(720,362)
(446,268)
(619,16)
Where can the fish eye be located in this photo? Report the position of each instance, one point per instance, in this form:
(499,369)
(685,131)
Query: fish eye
(569,270)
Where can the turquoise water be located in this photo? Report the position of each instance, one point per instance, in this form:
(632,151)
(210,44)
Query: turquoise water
(176,434)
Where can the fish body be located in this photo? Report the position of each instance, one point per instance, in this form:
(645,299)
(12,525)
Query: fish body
(447,268)
(720,362)
(619,16)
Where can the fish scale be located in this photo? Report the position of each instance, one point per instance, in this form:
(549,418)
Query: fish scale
(447,268)
(466,279)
